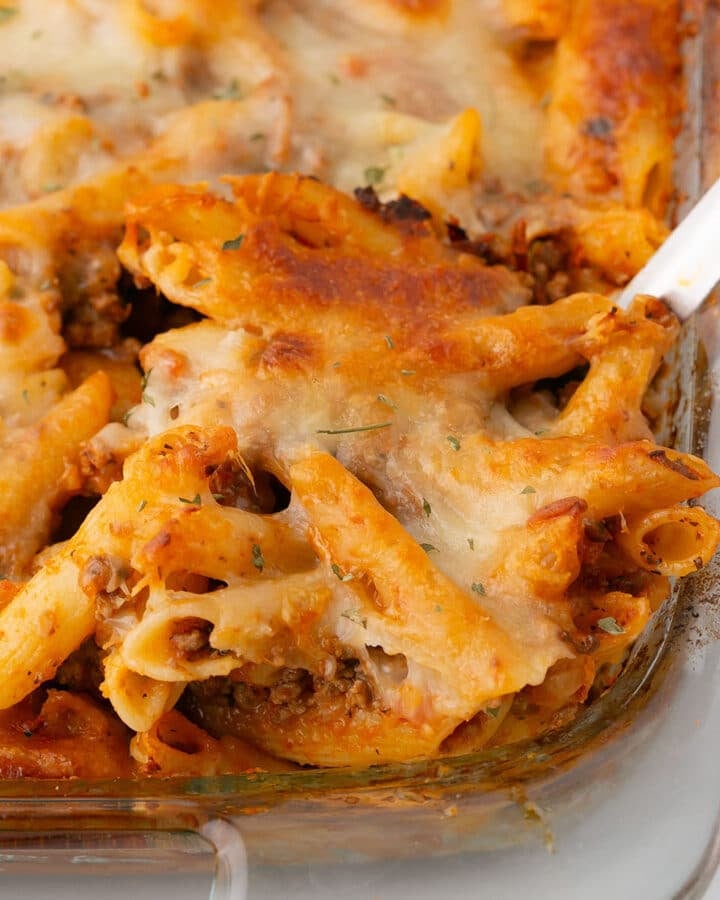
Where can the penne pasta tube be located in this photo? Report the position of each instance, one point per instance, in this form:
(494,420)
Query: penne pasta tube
(37,472)
(190,637)
(138,700)
(42,624)
(672,541)
(175,746)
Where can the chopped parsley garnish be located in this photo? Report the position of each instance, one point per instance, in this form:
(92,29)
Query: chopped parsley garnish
(234,243)
(479,588)
(492,711)
(428,548)
(427,509)
(353,430)
(201,283)
(7,12)
(610,625)
(258,136)
(383,398)
(407,371)
(142,505)
(453,441)
(51,186)
(438,608)
(528,489)
(388,100)
(231,92)
(374,174)
(355,615)
(26,395)
(339,574)
(196,500)
(471,543)
(144,396)
(333,78)
(389,341)
(257,557)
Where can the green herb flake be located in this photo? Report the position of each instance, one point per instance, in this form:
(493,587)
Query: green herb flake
(453,441)
(142,505)
(610,625)
(438,608)
(202,283)
(492,711)
(218,497)
(126,416)
(428,548)
(528,489)
(479,588)
(234,243)
(196,500)
(355,615)
(535,186)
(52,186)
(257,557)
(383,398)
(427,509)
(333,78)
(407,371)
(388,100)
(335,365)
(231,92)
(7,12)
(471,543)
(258,136)
(26,395)
(374,175)
(339,574)
(390,342)
(353,430)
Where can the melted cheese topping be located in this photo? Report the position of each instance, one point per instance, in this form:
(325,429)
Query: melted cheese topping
(450,535)
(90,83)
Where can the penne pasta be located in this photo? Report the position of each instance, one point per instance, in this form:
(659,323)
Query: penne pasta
(324,441)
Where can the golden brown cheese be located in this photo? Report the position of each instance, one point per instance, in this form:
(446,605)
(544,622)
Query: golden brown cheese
(615,101)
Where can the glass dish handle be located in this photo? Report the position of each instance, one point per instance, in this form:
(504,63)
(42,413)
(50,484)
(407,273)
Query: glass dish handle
(207,859)
(231,881)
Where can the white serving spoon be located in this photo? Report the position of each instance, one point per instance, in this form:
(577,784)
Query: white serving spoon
(687,266)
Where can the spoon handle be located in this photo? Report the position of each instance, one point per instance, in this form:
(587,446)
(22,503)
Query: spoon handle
(687,266)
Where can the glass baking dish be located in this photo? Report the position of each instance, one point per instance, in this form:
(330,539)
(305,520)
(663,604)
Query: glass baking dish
(625,800)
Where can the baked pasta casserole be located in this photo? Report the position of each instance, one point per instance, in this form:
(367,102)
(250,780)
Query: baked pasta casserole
(323,440)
